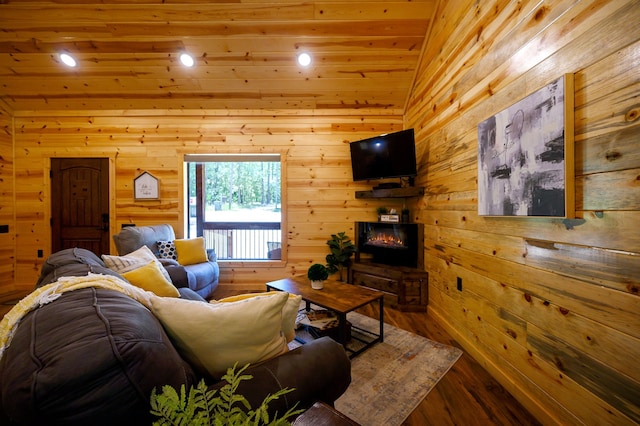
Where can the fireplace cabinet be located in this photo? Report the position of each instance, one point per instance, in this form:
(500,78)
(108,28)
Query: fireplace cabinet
(390,258)
(404,288)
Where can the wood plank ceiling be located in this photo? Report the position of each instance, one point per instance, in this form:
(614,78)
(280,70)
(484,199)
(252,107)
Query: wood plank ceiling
(364,54)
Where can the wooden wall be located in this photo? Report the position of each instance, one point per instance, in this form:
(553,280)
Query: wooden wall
(319,189)
(7,240)
(550,307)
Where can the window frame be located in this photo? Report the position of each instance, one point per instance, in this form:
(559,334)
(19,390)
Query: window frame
(244,156)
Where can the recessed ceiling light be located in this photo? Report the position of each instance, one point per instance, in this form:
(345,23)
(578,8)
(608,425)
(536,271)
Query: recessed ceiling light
(68,60)
(187,60)
(304,59)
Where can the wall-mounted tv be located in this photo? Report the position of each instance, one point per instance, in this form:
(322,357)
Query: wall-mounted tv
(392,155)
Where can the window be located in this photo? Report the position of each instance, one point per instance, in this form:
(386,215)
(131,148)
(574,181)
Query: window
(235,202)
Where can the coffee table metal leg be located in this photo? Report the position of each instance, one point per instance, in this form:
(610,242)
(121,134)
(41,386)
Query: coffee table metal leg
(342,329)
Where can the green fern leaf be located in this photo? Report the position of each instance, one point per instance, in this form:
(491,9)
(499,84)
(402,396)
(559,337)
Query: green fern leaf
(222,407)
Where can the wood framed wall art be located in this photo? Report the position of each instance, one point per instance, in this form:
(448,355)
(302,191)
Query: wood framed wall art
(526,156)
(145,187)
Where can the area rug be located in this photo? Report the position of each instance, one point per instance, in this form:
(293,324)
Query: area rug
(390,379)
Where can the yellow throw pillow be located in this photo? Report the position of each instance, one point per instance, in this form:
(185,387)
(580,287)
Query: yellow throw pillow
(289,311)
(149,277)
(213,337)
(191,251)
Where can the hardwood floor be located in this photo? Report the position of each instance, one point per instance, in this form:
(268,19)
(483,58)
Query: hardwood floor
(466,395)
(7,300)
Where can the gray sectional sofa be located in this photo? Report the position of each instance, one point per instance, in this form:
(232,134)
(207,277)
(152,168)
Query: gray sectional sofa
(92,357)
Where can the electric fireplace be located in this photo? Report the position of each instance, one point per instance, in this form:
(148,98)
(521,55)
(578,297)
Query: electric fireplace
(395,244)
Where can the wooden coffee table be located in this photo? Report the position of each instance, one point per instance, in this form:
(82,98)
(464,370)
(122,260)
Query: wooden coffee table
(340,298)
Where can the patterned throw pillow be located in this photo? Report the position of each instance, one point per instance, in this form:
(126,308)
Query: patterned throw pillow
(132,261)
(167,250)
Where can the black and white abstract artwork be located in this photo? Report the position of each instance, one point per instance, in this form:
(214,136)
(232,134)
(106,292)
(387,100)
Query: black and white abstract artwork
(521,157)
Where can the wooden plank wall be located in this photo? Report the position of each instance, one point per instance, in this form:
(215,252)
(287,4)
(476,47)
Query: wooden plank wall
(7,240)
(319,187)
(550,307)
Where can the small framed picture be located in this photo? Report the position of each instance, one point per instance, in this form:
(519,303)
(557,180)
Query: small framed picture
(392,218)
(145,187)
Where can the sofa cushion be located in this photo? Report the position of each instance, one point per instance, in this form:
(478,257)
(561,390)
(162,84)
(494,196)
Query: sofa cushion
(191,251)
(133,260)
(213,337)
(289,310)
(149,277)
(205,277)
(90,357)
(319,370)
(71,262)
(131,238)
(188,294)
(180,277)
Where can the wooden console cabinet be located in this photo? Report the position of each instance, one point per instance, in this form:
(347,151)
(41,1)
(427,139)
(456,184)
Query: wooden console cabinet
(406,289)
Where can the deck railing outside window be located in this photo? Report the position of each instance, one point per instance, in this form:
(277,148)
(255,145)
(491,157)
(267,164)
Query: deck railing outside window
(243,241)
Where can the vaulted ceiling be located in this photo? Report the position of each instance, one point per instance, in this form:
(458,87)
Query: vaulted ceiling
(364,54)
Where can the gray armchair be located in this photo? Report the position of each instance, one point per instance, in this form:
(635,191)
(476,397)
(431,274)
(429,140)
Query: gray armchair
(201,277)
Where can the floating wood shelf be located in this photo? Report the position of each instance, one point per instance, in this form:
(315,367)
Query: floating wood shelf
(412,191)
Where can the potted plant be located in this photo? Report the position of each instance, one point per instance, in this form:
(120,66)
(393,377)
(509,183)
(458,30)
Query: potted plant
(341,249)
(381,211)
(317,274)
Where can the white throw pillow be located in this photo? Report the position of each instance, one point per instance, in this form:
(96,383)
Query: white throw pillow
(133,260)
(213,337)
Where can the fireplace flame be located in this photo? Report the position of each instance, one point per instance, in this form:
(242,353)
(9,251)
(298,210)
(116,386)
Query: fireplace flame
(385,240)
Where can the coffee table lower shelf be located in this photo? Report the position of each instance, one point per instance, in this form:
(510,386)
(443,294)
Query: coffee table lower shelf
(357,339)
(340,298)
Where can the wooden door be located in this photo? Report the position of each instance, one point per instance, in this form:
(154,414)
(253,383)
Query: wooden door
(80,204)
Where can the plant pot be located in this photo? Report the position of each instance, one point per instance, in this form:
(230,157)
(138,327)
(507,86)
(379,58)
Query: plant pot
(317,285)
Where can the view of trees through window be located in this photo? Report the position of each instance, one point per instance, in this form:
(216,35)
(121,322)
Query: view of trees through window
(237,191)
(235,203)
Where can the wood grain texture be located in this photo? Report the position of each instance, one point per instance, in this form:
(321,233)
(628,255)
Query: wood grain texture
(7,207)
(318,187)
(364,54)
(550,306)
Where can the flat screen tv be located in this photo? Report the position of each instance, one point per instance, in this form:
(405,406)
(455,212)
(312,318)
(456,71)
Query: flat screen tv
(392,155)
